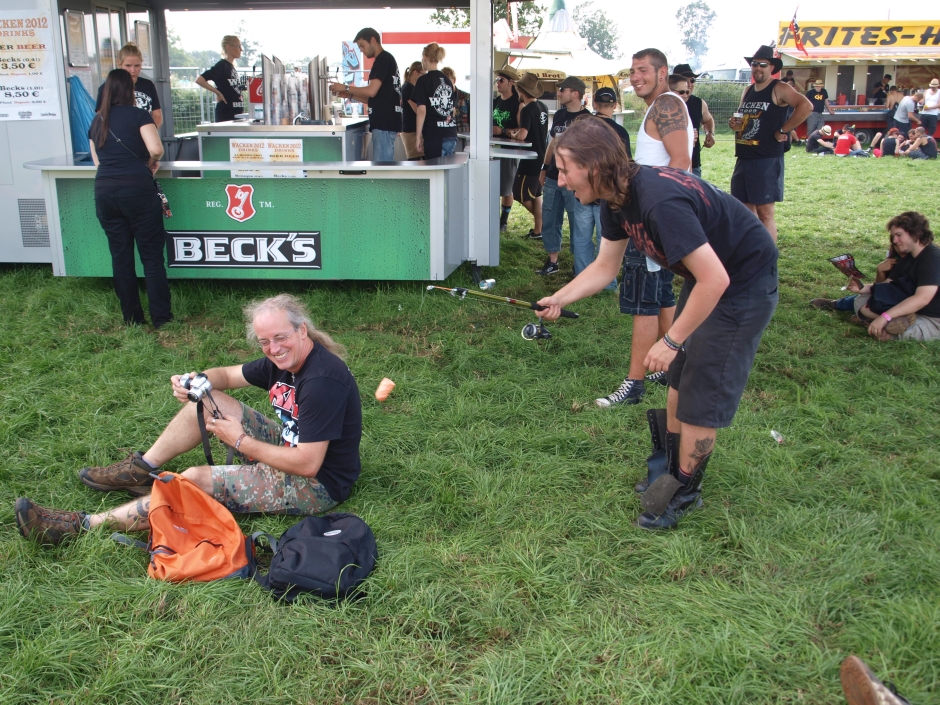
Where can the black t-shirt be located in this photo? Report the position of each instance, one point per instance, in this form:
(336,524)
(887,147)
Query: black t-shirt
(505,112)
(560,123)
(818,99)
(385,106)
(926,272)
(621,133)
(889,145)
(408,116)
(671,213)
(762,119)
(812,140)
(879,96)
(145,93)
(319,403)
(436,93)
(115,163)
(534,118)
(225,77)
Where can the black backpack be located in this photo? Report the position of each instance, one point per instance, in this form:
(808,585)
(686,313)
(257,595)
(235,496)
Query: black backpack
(328,556)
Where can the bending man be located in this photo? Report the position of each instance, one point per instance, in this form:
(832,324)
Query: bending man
(729,263)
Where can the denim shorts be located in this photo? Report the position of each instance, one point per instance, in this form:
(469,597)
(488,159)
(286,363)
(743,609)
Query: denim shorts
(642,292)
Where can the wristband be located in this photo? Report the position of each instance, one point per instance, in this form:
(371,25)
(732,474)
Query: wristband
(672,344)
(239,441)
(886,317)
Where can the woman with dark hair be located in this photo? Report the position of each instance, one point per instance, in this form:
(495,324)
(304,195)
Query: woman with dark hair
(126,147)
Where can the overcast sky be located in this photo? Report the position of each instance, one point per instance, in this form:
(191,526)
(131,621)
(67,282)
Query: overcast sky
(739,28)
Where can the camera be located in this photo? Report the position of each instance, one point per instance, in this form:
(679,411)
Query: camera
(198,386)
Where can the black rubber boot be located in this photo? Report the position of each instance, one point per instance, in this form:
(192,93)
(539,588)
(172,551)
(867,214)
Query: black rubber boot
(687,499)
(658,463)
(665,484)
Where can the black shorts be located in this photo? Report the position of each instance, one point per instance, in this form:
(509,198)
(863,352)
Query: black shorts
(526,187)
(758,181)
(710,375)
(507,174)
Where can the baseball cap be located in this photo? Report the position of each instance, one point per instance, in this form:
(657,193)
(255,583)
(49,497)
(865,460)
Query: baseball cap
(574,83)
(605,95)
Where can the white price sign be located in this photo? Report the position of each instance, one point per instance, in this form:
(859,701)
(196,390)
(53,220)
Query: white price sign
(266,150)
(28,83)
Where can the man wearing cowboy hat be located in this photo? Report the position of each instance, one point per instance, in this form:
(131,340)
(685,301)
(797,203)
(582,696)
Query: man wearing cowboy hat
(701,117)
(770,110)
(533,128)
(819,97)
(506,118)
(928,113)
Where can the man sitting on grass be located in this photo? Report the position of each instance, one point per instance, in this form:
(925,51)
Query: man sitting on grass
(923,146)
(916,317)
(303,464)
(820,141)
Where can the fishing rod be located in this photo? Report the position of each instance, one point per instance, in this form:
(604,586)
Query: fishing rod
(461,293)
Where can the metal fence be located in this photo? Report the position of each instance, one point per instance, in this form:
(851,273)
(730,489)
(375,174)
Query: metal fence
(192,105)
(722,97)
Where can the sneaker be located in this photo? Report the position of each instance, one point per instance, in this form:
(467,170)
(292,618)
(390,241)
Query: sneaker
(898,325)
(861,687)
(49,527)
(824,304)
(658,378)
(630,392)
(131,474)
(534,235)
(548,268)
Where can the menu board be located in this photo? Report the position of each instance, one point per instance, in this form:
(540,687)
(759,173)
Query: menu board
(29,88)
(266,150)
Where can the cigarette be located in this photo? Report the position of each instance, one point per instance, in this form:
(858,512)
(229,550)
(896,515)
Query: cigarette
(385,388)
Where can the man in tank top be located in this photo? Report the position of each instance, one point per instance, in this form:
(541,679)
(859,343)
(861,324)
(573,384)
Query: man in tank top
(762,134)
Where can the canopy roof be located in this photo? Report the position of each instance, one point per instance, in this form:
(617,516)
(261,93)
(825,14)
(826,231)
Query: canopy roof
(203,5)
(876,55)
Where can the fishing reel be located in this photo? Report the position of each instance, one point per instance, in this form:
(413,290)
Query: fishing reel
(533,331)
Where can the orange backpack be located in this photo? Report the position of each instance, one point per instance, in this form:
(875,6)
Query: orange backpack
(192,536)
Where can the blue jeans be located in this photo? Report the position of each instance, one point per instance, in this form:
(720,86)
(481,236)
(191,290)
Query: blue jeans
(555,202)
(930,124)
(383,145)
(435,147)
(846,303)
(596,210)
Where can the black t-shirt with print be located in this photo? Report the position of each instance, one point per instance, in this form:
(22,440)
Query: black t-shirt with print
(319,403)
(385,106)
(408,116)
(818,99)
(145,94)
(506,111)
(225,77)
(560,123)
(671,213)
(124,163)
(621,133)
(926,272)
(436,93)
(534,118)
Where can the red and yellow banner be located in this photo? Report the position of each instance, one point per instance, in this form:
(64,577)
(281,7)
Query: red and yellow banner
(872,35)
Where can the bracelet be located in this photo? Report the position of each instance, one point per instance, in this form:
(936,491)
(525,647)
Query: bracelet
(672,344)
(239,441)
(886,317)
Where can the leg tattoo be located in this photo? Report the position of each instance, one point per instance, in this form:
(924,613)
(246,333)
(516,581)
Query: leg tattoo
(703,448)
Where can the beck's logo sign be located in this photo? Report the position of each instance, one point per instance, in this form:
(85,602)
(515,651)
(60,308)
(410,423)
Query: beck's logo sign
(239,206)
(252,249)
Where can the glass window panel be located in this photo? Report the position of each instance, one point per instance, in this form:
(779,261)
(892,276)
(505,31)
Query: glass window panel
(106,52)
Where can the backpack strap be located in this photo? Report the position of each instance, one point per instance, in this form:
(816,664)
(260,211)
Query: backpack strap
(128,541)
(272,541)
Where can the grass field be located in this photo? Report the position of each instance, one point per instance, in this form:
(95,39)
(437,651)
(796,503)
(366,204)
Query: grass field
(501,497)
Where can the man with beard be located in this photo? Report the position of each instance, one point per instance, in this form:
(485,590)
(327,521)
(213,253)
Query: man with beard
(770,109)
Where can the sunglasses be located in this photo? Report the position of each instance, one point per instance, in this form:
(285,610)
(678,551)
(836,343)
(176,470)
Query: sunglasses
(760,64)
(500,79)
(683,92)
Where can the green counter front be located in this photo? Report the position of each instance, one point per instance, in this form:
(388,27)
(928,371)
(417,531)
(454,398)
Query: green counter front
(345,220)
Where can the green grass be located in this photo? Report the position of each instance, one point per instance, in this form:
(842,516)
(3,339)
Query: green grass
(501,498)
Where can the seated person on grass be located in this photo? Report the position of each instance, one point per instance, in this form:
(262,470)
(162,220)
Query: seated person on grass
(820,141)
(907,309)
(923,146)
(893,268)
(303,464)
(886,146)
(847,145)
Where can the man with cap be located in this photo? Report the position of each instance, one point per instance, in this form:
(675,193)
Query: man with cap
(820,141)
(928,113)
(506,118)
(557,200)
(533,128)
(819,97)
(700,115)
(879,93)
(770,109)
(605,103)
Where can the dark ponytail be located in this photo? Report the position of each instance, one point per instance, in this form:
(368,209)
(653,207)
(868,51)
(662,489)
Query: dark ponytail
(118,90)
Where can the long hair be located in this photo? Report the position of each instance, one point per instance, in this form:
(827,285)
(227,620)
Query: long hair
(434,53)
(415,66)
(129,49)
(914,224)
(118,90)
(592,144)
(296,314)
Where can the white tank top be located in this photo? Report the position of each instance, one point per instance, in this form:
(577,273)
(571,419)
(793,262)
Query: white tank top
(651,152)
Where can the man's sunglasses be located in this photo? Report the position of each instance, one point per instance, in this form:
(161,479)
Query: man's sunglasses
(760,64)
(500,79)
(684,92)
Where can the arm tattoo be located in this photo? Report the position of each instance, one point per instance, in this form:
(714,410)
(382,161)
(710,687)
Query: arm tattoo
(703,448)
(669,114)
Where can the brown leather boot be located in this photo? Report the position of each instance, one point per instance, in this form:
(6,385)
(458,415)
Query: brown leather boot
(49,527)
(131,475)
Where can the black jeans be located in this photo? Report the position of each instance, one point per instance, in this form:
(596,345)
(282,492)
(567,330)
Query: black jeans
(132,214)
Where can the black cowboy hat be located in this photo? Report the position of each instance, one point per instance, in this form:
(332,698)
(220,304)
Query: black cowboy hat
(766,53)
(686,71)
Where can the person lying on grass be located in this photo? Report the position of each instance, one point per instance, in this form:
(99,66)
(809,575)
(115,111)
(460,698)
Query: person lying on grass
(729,262)
(303,464)
(916,316)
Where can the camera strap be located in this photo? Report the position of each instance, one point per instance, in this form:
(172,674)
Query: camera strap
(201,419)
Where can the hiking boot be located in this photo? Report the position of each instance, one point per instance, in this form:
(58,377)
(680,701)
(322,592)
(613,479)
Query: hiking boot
(658,378)
(861,687)
(131,474)
(683,502)
(630,392)
(48,527)
(534,235)
(824,304)
(898,325)
(548,268)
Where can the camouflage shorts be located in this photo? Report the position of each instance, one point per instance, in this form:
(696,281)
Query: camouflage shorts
(257,487)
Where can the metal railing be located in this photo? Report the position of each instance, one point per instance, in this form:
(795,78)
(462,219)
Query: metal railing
(192,105)
(722,97)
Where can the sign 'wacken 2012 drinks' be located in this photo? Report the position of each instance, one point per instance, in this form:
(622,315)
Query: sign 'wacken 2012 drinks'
(28,84)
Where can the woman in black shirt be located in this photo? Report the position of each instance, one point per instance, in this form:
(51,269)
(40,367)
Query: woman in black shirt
(145,93)
(408,116)
(228,85)
(126,147)
(434,100)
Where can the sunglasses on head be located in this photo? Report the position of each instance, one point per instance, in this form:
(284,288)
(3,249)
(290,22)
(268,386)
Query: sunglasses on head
(760,64)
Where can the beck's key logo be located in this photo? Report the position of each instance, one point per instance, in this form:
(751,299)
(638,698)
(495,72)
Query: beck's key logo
(239,207)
